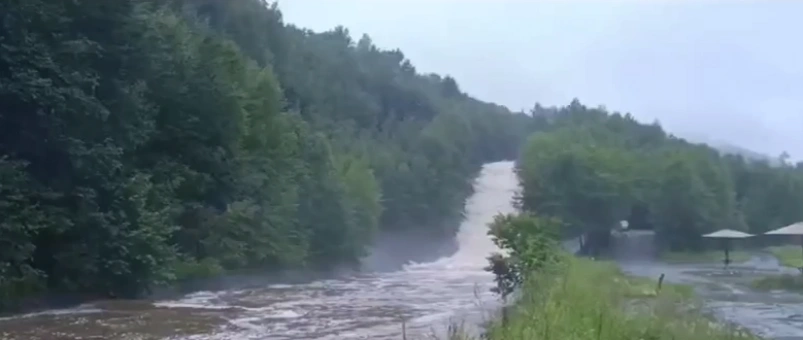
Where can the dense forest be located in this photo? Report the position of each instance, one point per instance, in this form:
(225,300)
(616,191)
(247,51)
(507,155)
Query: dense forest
(590,169)
(146,142)
(584,172)
(587,169)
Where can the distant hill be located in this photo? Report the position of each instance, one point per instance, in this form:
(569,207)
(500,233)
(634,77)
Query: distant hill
(746,153)
(738,150)
(728,148)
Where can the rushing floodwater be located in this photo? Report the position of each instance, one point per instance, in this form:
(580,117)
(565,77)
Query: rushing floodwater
(427,295)
(368,306)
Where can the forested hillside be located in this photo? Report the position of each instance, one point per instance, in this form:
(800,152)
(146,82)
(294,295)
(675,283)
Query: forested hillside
(591,169)
(144,142)
(586,170)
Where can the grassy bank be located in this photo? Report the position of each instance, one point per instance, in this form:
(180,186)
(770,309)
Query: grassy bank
(792,282)
(583,299)
(788,256)
(711,256)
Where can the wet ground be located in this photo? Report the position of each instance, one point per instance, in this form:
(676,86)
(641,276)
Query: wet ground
(425,297)
(726,293)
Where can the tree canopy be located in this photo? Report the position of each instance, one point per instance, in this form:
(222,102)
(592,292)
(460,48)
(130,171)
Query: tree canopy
(591,169)
(584,170)
(143,142)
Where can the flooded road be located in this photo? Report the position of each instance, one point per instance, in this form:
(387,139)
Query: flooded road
(367,306)
(727,293)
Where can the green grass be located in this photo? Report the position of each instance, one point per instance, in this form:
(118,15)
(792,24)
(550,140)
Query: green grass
(584,299)
(711,256)
(788,256)
(780,282)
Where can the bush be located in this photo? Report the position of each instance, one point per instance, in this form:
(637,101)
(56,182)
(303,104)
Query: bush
(528,243)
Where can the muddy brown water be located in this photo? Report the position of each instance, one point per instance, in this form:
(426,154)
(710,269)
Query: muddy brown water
(425,296)
(428,296)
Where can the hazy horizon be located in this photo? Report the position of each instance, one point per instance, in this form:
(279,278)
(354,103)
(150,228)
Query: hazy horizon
(709,71)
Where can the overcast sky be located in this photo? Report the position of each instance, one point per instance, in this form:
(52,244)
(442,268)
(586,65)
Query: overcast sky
(729,71)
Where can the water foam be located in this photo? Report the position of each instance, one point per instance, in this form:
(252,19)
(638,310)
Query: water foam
(373,305)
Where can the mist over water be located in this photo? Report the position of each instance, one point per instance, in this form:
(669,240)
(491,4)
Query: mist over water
(634,246)
(494,188)
(427,295)
(393,250)
(372,305)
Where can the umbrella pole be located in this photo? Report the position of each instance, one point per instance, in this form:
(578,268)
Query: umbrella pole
(727,253)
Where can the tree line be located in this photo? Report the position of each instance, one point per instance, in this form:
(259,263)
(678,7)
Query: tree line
(591,168)
(584,170)
(147,142)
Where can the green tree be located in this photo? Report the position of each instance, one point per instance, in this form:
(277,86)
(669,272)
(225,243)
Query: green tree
(529,244)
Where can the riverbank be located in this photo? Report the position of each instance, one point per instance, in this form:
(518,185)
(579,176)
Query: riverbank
(224,280)
(386,255)
(584,299)
(788,256)
(370,304)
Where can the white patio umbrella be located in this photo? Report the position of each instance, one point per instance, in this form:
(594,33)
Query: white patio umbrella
(726,235)
(793,229)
